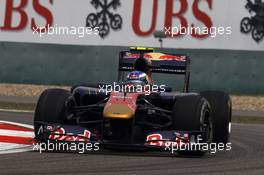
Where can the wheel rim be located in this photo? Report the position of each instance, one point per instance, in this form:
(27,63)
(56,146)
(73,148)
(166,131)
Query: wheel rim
(207,126)
(69,105)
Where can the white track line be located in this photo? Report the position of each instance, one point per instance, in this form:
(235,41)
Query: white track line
(16,110)
(13,133)
(7,148)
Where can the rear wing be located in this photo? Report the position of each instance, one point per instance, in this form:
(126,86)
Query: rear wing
(161,63)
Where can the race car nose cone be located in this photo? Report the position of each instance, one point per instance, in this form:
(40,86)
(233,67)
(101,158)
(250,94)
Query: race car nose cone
(118,111)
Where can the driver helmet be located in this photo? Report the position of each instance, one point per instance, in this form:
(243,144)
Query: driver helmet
(137,77)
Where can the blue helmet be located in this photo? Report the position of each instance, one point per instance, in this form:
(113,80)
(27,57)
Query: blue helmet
(137,77)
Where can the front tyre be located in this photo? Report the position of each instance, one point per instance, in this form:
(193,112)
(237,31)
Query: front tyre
(193,113)
(51,108)
(221,106)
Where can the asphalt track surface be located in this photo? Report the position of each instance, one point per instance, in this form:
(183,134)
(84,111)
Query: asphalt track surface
(246,157)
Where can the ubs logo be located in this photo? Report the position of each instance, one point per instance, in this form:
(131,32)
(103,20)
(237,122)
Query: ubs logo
(255,23)
(104,19)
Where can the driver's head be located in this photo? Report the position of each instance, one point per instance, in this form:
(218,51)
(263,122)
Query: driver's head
(143,65)
(137,77)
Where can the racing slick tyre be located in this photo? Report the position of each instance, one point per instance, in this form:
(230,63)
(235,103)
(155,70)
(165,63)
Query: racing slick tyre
(192,113)
(221,107)
(51,107)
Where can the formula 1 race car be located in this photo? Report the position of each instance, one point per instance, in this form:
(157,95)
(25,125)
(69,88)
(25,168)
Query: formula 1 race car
(136,119)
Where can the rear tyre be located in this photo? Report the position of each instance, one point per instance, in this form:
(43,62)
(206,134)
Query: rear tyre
(51,108)
(221,106)
(192,113)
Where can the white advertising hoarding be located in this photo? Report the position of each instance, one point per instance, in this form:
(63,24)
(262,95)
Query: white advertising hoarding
(131,22)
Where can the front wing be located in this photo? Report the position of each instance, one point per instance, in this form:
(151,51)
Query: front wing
(155,140)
